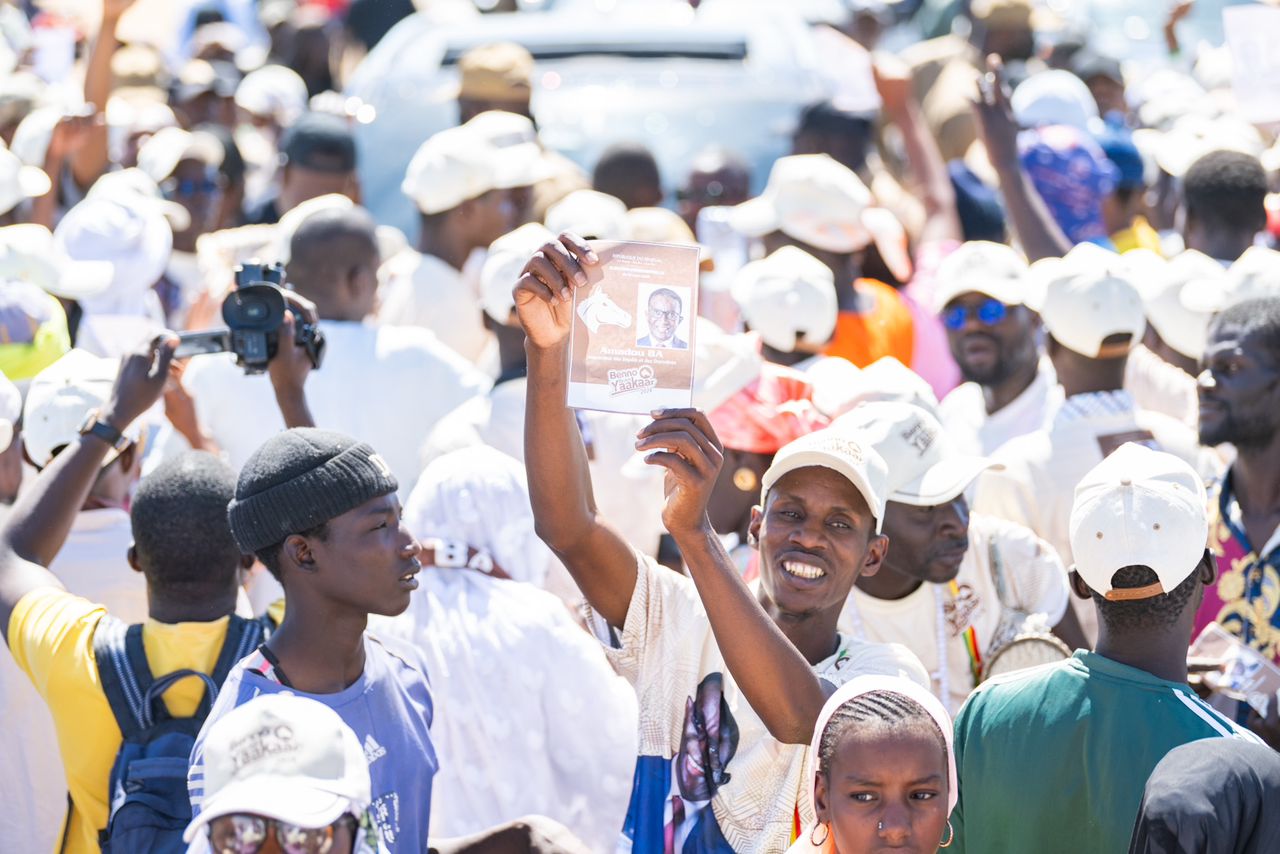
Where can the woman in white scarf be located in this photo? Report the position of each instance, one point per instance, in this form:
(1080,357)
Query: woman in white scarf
(529,716)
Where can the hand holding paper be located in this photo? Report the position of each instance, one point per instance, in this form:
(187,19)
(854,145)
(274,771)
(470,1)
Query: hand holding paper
(543,294)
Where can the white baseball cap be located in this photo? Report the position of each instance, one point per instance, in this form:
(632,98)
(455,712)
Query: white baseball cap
(284,757)
(522,162)
(884,379)
(507,257)
(60,397)
(1163,284)
(785,296)
(847,455)
(453,166)
(274,91)
(138,184)
(1081,258)
(1138,507)
(1081,311)
(1193,136)
(10,411)
(925,468)
(1254,274)
(983,267)
(167,147)
(723,364)
(590,214)
(28,253)
(813,199)
(19,181)
(129,233)
(1054,97)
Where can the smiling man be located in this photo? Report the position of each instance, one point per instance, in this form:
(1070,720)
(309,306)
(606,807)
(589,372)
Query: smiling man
(1008,390)
(319,509)
(1240,404)
(663,314)
(952,583)
(730,679)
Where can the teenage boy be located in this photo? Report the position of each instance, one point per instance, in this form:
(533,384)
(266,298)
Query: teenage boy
(730,681)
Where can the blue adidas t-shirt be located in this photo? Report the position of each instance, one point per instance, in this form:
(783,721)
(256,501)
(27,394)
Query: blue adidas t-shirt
(389,708)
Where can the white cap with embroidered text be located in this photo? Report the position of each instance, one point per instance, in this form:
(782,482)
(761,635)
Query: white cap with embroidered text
(591,215)
(786,297)
(60,397)
(980,266)
(453,166)
(810,198)
(1138,507)
(925,468)
(1083,310)
(507,257)
(846,455)
(283,757)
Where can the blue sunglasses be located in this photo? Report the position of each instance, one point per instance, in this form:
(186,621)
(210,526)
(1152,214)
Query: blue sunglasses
(990,313)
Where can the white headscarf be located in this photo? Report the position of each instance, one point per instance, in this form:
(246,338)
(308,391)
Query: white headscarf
(479,496)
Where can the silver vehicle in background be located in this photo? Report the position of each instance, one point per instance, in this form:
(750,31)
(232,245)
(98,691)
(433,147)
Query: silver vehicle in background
(733,73)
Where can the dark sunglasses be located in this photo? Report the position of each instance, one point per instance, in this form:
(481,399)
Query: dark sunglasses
(186,188)
(990,313)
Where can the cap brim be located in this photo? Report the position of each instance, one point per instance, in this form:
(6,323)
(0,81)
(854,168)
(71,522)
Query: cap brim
(810,459)
(33,181)
(943,482)
(755,218)
(78,280)
(280,798)
(1007,292)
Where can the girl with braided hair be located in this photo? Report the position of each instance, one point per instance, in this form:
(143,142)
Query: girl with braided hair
(884,774)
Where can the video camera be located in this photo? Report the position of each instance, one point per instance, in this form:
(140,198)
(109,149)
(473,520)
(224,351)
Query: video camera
(253,313)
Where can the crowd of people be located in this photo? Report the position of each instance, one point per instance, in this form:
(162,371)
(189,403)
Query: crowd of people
(969,537)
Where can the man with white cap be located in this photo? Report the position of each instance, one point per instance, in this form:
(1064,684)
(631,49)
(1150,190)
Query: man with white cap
(629,493)
(286,768)
(814,203)
(521,162)
(1240,404)
(1176,332)
(1009,388)
(952,582)
(1093,319)
(720,670)
(387,385)
(1026,743)
(454,180)
(789,300)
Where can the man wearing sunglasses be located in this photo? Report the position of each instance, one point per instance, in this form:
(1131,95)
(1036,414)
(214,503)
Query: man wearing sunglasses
(1009,389)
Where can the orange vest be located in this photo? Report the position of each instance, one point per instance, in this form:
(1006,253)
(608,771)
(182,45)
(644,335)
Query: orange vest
(886,330)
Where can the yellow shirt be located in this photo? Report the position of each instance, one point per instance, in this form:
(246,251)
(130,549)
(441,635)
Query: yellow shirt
(1140,235)
(51,636)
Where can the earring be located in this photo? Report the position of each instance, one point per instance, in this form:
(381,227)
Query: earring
(826,831)
(951,835)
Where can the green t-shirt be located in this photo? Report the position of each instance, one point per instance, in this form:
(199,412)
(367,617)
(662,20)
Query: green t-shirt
(1055,759)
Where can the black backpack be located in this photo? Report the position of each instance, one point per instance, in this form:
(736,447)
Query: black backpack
(149,806)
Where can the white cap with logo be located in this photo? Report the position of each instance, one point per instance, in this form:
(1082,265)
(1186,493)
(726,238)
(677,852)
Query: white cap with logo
(60,398)
(284,757)
(522,162)
(1083,310)
(1138,507)
(980,266)
(453,166)
(925,468)
(846,455)
(813,199)
(786,296)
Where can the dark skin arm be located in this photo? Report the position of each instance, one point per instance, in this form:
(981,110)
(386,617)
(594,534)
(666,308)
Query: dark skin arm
(1037,231)
(91,159)
(290,367)
(773,675)
(40,521)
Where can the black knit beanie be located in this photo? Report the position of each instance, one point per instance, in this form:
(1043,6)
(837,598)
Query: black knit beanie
(299,479)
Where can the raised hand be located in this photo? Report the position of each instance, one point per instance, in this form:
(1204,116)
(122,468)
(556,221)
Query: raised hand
(140,382)
(683,442)
(995,116)
(544,292)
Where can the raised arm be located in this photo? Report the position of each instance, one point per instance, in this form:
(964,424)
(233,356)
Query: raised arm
(564,510)
(1037,231)
(91,159)
(38,525)
(774,677)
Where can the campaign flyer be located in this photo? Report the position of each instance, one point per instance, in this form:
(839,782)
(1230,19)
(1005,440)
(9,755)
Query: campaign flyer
(631,347)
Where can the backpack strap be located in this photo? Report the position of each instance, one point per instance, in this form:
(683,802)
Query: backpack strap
(121,684)
(243,637)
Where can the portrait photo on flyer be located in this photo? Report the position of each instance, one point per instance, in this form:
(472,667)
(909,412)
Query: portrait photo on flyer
(632,343)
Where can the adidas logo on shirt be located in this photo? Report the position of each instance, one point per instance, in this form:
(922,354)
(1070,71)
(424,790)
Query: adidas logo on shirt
(372,750)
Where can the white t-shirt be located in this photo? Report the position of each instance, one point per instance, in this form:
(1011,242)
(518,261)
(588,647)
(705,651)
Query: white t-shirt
(1035,583)
(628,493)
(385,385)
(91,564)
(701,743)
(1158,386)
(530,718)
(964,413)
(423,290)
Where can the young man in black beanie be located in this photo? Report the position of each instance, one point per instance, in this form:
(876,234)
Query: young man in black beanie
(319,509)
